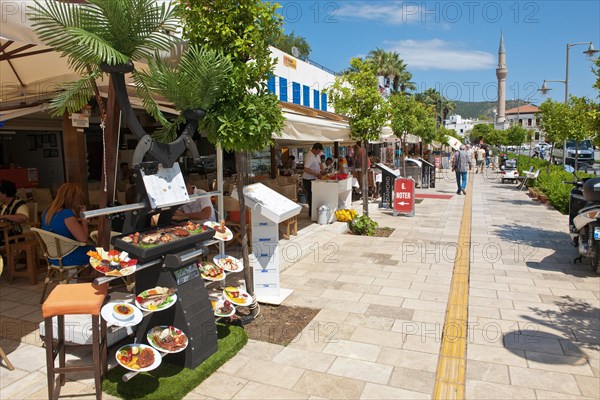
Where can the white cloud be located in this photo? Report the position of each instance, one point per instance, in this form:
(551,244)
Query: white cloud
(439,54)
(388,12)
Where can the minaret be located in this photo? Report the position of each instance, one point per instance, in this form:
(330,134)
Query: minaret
(501,73)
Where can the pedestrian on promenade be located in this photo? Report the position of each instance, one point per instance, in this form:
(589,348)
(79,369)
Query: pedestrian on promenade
(312,171)
(480,160)
(461,165)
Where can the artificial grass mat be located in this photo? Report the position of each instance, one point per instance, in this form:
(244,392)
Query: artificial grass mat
(172,381)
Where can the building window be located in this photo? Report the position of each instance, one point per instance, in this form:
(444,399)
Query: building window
(283,89)
(324,101)
(316,98)
(271,85)
(305,96)
(529,121)
(295,93)
(537,136)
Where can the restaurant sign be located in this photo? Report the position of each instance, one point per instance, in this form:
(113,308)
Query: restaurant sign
(404,196)
(80,121)
(289,62)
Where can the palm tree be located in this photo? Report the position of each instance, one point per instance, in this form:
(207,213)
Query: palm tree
(393,68)
(101,32)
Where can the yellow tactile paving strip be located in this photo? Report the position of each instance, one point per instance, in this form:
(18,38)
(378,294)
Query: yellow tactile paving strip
(450,376)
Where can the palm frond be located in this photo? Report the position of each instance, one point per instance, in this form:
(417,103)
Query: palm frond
(150,105)
(168,132)
(197,82)
(74,95)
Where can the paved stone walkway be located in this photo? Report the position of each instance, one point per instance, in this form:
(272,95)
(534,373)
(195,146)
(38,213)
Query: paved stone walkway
(534,317)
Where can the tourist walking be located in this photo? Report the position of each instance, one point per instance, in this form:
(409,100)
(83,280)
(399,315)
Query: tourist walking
(461,165)
(480,160)
(312,171)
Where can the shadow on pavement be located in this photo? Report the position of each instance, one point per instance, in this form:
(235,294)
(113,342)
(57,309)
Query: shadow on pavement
(577,327)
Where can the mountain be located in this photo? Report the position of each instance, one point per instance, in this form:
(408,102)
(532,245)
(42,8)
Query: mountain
(476,109)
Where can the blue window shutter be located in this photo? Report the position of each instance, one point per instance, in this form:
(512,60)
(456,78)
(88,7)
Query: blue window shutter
(295,93)
(324,101)
(306,96)
(271,85)
(283,89)
(316,99)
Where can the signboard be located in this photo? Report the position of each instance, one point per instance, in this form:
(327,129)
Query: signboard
(166,187)
(80,121)
(387,185)
(289,62)
(404,196)
(438,162)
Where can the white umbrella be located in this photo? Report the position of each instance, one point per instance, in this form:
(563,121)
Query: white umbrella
(454,142)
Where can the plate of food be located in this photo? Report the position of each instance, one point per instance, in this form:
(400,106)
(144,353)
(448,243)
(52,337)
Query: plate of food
(112,262)
(210,271)
(121,314)
(138,357)
(237,296)
(221,231)
(156,299)
(167,339)
(223,309)
(228,263)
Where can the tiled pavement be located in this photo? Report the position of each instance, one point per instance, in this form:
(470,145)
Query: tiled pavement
(534,317)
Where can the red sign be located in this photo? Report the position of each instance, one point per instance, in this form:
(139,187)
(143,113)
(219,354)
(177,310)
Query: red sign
(404,196)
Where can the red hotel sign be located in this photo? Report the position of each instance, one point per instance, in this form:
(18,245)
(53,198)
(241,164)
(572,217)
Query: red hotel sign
(404,196)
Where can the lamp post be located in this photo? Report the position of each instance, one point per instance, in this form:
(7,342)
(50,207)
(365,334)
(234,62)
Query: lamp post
(544,89)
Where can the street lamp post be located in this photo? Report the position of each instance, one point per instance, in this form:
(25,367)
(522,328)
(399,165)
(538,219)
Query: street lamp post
(544,89)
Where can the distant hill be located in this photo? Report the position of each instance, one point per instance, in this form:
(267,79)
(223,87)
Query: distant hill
(475,109)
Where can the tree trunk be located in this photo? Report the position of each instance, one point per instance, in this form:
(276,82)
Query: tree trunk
(242,173)
(111,144)
(364,164)
(551,158)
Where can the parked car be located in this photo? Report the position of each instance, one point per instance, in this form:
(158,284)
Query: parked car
(584,149)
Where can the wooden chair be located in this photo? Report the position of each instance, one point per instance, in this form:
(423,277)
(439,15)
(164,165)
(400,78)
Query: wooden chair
(290,224)
(43,197)
(2,354)
(14,247)
(56,247)
(232,209)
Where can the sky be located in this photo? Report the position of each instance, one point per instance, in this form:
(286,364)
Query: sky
(452,46)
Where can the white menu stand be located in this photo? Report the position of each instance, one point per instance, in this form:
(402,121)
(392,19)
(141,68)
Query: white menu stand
(268,209)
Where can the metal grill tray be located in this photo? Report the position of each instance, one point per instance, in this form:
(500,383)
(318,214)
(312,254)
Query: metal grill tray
(178,244)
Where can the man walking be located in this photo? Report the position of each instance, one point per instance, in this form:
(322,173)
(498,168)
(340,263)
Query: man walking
(461,165)
(480,160)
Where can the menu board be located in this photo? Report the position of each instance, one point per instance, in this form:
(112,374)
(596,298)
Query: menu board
(166,187)
(269,203)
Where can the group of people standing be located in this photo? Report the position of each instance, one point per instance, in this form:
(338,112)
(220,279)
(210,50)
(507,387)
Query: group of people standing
(466,158)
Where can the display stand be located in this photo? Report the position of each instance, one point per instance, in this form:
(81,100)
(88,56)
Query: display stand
(387,185)
(268,209)
(333,194)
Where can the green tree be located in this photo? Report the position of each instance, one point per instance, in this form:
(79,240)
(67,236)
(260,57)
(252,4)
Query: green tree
(246,116)
(285,43)
(481,132)
(516,135)
(355,94)
(496,137)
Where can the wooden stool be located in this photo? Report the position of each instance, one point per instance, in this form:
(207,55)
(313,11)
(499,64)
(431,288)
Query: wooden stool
(79,298)
(293,224)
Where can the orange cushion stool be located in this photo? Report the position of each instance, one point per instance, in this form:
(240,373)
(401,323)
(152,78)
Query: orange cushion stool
(65,299)
(77,298)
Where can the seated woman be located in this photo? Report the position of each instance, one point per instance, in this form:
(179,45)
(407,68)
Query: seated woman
(61,218)
(12,209)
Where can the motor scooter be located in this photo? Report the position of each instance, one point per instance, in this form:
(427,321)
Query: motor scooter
(502,159)
(584,218)
(509,171)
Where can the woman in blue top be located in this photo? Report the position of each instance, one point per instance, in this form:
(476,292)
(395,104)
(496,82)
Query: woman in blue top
(61,218)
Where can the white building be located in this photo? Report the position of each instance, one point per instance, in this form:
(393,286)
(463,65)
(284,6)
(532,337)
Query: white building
(527,116)
(459,124)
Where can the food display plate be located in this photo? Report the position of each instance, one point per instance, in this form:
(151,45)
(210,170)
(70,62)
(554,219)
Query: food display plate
(239,263)
(107,313)
(150,339)
(154,365)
